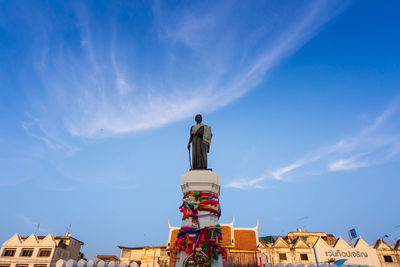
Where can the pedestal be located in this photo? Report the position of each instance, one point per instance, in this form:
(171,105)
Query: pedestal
(200,227)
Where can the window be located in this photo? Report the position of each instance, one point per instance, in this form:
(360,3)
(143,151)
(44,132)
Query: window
(126,253)
(282,256)
(27,252)
(44,252)
(4,265)
(304,257)
(21,265)
(9,252)
(40,265)
(388,258)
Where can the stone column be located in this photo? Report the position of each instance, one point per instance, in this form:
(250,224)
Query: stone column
(200,182)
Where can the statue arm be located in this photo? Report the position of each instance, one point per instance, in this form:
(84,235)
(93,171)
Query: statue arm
(190,138)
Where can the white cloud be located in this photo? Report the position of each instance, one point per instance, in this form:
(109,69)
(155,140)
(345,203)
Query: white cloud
(350,163)
(202,61)
(277,174)
(123,86)
(378,143)
(35,129)
(247,184)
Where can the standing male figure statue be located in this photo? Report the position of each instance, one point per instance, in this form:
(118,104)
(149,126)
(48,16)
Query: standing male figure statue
(200,137)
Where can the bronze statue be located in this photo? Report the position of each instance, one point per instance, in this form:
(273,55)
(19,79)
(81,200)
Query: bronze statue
(200,137)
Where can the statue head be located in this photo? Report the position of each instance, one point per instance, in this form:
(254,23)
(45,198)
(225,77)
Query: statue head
(198,118)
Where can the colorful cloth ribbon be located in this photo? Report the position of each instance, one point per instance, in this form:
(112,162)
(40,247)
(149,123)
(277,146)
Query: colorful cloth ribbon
(208,239)
(192,238)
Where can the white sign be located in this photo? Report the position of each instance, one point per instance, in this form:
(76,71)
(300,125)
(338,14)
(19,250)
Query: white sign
(361,254)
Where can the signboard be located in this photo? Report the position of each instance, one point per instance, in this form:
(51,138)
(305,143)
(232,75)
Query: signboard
(352,233)
(362,254)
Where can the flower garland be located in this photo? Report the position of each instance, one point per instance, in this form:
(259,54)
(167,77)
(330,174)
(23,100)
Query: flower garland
(191,239)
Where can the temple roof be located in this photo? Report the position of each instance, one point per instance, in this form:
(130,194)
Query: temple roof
(232,238)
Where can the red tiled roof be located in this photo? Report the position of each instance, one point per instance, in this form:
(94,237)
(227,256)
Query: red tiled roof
(245,240)
(226,236)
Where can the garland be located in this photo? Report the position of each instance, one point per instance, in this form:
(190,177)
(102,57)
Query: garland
(196,201)
(191,239)
(208,239)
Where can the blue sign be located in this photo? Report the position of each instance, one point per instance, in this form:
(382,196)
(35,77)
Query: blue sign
(353,233)
(339,262)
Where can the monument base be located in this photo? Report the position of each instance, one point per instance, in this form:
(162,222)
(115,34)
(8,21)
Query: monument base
(199,260)
(199,241)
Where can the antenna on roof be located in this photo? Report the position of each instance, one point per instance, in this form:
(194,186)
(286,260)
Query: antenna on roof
(37,229)
(68,230)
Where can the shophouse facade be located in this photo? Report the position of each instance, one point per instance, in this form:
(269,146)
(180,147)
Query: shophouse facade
(149,255)
(389,256)
(304,247)
(38,251)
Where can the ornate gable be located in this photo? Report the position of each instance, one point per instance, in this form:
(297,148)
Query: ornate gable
(397,245)
(382,245)
(300,243)
(280,243)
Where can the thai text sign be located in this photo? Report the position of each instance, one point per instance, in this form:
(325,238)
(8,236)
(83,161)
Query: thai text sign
(362,254)
(346,254)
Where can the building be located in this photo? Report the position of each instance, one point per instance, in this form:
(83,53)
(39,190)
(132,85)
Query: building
(241,244)
(38,251)
(304,247)
(107,258)
(145,255)
(360,253)
(296,247)
(388,256)
(281,250)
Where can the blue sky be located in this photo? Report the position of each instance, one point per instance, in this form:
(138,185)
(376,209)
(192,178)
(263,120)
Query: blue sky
(97,98)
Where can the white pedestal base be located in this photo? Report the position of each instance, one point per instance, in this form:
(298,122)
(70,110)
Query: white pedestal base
(205,181)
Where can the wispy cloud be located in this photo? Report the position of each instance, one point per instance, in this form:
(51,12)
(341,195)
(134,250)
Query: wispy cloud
(108,79)
(376,144)
(247,184)
(35,129)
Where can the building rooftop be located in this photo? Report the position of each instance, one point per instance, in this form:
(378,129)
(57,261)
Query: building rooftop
(244,239)
(107,257)
(35,239)
(143,247)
